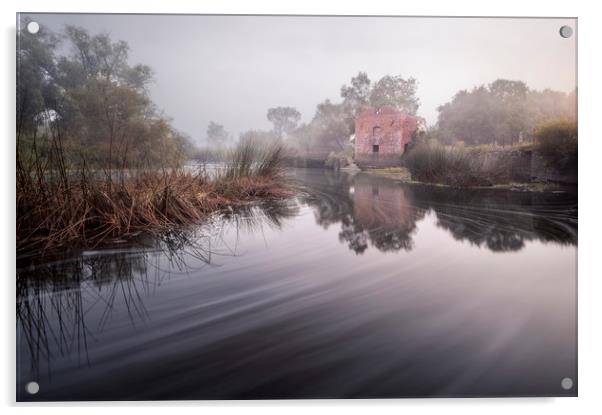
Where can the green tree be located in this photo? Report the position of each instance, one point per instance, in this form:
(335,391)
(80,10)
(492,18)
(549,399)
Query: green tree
(557,143)
(37,91)
(97,57)
(394,91)
(468,118)
(333,123)
(500,113)
(356,96)
(397,92)
(548,104)
(217,136)
(509,110)
(91,106)
(329,127)
(285,119)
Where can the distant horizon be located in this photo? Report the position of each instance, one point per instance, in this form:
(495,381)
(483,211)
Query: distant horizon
(261,60)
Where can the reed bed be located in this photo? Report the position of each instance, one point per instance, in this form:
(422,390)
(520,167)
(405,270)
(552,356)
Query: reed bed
(59,207)
(452,166)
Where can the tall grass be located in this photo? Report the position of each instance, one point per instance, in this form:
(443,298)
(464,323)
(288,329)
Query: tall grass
(451,166)
(59,206)
(557,143)
(255,159)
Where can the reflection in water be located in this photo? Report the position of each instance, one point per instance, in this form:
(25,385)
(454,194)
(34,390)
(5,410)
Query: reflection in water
(504,221)
(267,301)
(53,298)
(371,211)
(50,305)
(384,214)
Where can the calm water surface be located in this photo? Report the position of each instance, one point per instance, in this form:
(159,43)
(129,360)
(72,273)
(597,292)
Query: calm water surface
(361,287)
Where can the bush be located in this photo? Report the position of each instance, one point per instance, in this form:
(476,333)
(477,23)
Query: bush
(255,159)
(556,141)
(450,165)
(336,161)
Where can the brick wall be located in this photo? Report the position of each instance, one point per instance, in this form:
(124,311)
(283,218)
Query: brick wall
(386,128)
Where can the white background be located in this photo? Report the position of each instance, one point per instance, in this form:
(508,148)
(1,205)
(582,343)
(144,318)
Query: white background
(590,206)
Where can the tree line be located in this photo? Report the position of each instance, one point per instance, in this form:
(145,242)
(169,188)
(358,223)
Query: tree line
(94,106)
(333,123)
(504,112)
(90,105)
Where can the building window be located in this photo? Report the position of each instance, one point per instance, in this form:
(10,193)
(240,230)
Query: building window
(376,135)
(375,148)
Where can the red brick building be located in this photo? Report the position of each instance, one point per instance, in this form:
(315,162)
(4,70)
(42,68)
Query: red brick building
(382,136)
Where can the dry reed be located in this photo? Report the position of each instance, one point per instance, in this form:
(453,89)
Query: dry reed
(59,207)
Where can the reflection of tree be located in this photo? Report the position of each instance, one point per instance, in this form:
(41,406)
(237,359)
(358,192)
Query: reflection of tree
(354,235)
(378,212)
(502,220)
(327,192)
(55,294)
(482,231)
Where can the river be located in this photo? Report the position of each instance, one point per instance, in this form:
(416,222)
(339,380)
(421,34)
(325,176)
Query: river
(361,287)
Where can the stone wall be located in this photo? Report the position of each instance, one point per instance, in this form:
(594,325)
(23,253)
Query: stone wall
(541,172)
(525,166)
(378,160)
(513,165)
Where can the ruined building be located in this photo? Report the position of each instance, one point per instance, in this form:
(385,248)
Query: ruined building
(382,136)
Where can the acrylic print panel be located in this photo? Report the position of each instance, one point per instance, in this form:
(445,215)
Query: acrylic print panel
(257,207)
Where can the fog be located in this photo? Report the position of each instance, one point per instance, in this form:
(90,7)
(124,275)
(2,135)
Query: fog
(231,69)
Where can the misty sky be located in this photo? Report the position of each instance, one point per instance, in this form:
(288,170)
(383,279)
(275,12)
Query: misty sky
(230,69)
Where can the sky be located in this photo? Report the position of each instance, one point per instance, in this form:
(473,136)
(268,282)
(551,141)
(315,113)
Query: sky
(231,69)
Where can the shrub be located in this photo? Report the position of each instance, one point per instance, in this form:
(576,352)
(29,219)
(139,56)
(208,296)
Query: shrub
(336,160)
(252,158)
(451,165)
(556,141)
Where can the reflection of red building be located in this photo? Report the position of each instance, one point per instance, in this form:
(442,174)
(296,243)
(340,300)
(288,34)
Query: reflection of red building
(382,204)
(382,136)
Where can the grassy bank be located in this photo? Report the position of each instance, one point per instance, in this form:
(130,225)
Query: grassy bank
(58,206)
(555,143)
(453,166)
(395,173)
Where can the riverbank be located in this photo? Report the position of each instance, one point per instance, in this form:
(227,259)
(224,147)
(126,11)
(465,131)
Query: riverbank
(403,175)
